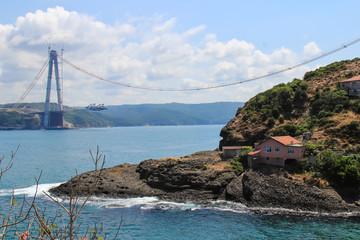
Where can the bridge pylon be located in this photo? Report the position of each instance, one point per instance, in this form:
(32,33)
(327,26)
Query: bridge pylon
(53,119)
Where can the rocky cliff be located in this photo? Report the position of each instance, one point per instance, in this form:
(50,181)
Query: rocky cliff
(205,176)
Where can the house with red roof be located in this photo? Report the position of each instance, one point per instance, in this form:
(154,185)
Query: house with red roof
(352,85)
(280,151)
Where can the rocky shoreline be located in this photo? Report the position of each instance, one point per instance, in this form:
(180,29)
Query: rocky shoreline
(205,176)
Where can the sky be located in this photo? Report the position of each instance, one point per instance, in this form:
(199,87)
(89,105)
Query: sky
(169,45)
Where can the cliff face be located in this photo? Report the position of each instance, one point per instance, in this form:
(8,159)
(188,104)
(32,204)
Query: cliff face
(270,187)
(314,104)
(202,177)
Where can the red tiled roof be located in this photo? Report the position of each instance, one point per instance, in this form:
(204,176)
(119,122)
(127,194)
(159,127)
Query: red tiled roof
(254,153)
(286,140)
(356,78)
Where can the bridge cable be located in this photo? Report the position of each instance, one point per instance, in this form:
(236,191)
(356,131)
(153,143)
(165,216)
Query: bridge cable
(219,85)
(33,83)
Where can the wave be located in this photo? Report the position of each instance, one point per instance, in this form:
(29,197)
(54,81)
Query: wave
(153,203)
(29,191)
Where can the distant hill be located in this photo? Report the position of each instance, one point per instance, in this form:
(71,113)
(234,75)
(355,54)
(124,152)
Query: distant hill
(314,104)
(125,115)
(174,113)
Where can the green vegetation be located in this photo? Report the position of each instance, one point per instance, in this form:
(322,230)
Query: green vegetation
(12,119)
(328,102)
(327,70)
(174,113)
(238,163)
(287,109)
(82,118)
(269,105)
(355,105)
(341,170)
(350,132)
(337,169)
(126,115)
(324,105)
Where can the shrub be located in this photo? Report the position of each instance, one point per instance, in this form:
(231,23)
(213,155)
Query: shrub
(284,130)
(342,170)
(313,149)
(326,70)
(254,119)
(323,105)
(271,122)
(280,99)
(349,132)
(281,119)
(356,106)
(236,165)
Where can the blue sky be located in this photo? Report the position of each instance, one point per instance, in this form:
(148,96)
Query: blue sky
(171,44)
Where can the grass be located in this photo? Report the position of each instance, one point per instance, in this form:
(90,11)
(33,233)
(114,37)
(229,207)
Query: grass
(310,179)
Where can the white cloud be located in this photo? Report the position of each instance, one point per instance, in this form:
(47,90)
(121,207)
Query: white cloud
(311,49)
(142,52)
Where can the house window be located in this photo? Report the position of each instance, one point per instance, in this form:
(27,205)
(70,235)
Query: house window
(277,149)
(354,83)
(290,151)
(267,149)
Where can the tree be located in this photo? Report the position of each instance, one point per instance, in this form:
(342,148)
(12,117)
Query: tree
(42,226)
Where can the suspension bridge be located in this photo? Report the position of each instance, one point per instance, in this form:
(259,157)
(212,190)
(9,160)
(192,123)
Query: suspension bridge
(55,119)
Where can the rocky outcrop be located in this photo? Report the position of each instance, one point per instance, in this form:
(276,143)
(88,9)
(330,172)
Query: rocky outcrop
(120,181)
(204,176)
(200,176)
(269,187)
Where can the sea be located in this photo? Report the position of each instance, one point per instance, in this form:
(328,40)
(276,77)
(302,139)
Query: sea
(54,156)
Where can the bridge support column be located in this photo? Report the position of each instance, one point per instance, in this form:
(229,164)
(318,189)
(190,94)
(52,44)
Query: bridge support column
(53,60)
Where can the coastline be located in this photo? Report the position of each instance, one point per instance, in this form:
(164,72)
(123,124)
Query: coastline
(204,177)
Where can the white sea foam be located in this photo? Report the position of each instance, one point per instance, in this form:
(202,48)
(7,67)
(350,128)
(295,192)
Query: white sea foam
(167,205)
(121,202)
(153,203)
(29,191)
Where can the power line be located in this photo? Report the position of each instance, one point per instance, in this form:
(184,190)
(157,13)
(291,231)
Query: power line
(214,86)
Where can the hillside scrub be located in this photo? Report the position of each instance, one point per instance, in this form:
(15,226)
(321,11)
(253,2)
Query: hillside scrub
(328,102)
(326,70)
(338,169)
(315,104)
(17,120)
(280,99)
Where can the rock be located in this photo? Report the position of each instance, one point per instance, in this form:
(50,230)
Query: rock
(189,172)
(204,176)
(266,187)
(120,181)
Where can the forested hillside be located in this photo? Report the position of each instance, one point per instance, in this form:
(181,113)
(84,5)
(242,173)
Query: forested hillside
(123,115)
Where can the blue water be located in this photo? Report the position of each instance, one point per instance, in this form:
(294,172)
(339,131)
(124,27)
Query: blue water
(58,153)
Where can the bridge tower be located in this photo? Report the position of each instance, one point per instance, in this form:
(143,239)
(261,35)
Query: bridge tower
(53,119)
